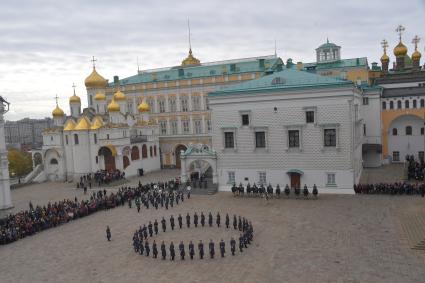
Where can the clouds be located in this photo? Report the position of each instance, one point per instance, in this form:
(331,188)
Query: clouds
(45,46)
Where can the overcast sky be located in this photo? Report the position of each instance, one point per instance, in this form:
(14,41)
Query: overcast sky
(45,46)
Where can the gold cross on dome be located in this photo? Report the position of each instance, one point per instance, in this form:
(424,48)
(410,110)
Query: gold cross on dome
(415,41)
(384,45)
(74,86)
(56,98)
(400,29)
(93,60)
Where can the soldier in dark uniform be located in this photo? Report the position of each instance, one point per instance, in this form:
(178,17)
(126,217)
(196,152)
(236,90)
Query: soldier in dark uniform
(172,222)
(227,220)
(108,233)
(155,227)
(188,220)
(141,247)
(232,246)
(154,250)
(166,203)
(129,203)
(182,252)
(138,205)
(202,219)
(150,229)
(201,249)
(235,222)
(210,219)
(218,219)
(145,232)
(195,219)
(241,243)
(222,248)
(147,248)
(164,225)
(211,247)
(177,199)
(172,251)
(191,250)
(180,219)
(240,223)
(163,251)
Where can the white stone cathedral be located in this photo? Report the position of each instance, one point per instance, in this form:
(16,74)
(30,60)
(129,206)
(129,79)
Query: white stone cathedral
(103,137)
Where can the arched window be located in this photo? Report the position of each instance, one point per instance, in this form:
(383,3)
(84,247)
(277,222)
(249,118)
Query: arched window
(408,130)
(135,153)
(394,131)
(384,105)
(414,103)
(422,103)
(406,104)
(154,150)
(144,151)
(150,151)
(399,104)
(391,104)
(125,161)
(53,161)
(75,139)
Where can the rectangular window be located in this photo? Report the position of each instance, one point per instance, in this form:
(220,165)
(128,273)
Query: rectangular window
(229,141)
(198,127)
(330,137)
(185,126)
(161,104)
(97,159)
(163,127)
(422,131)
(364,129)
(196,103)
(396,156)
(414,103)
(184,104)
(365,100)
(294,138)
(309,116)
(231,177)
(209,125)
(245,120)
(76,139)
(95,138)
(262,178)
(260,139)
(172,105)
(107,136)
(174,127)
(330,179)
(66,139)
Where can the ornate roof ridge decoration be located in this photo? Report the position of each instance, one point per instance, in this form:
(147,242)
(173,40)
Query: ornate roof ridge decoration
(199,149)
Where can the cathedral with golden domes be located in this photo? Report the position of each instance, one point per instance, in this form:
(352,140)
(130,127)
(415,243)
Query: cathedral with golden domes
(105,136)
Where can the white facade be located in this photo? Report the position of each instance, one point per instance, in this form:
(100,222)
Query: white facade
(5,198)
(276,112)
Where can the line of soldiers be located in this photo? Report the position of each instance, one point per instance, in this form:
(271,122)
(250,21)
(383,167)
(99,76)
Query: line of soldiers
(269,191)
(141,243)
(397,188)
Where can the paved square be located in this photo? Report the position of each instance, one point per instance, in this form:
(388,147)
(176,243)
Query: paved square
(334,239)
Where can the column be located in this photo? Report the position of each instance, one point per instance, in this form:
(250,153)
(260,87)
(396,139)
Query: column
(155,105)
(5,198)
(178,104)
(204,128)
(179,125)
(202,101)
(189,103)
(190,125)
(168,126)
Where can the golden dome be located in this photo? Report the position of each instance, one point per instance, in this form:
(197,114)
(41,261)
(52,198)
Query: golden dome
(69,125)
(94,80)
(191,60)
(83,124)
(99,96)
(74,99)
(113,106)
(143,107)
(400,49)
(385,58)
(416,55)
(119,96)
(57,112)
(97,123)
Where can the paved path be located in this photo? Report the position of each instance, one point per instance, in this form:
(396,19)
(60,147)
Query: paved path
(334,239)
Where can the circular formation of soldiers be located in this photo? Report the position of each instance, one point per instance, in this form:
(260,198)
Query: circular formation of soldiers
(270,192)
(142,246)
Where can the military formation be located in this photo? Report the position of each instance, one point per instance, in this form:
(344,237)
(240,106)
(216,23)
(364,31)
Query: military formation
(271,192)
(142,236)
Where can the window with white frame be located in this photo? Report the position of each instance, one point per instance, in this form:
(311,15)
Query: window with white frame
(329,136)
(163,127)
(293,138)
(172,104)
(184,104)
(185,126)
(330,179)
(229,140)
(365,100)
(198,126)
(260,139)
(196,103)
(231,177)
(161,104)
(262,178)
(174,129)
(208,125)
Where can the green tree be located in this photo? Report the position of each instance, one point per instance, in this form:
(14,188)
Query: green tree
(20,162)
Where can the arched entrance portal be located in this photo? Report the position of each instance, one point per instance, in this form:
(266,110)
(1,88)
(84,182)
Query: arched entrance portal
(295,176)
(108,158)
(38,159)
(199,159)
(177,153)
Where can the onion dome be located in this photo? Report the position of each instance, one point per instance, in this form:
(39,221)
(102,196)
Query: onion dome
(83,124)
(94,80)
(99,96)
(191,60)
(57,112)
(97,123)
(74,99)
(119,96)
(113,106)
(385,58)
(143,107)
(416,56)
(400,49)
(69,125)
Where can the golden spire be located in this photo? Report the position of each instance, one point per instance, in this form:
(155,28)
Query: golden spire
(416,55)
(384,45)
(190,59)
(400,49)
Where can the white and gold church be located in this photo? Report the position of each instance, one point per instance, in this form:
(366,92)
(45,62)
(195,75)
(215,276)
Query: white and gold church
(103,137)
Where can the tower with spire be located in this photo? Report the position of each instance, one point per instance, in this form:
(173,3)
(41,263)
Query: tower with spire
(75,104)
(190,59)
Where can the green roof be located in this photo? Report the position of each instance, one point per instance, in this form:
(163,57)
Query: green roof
(266,64)
(343,63)
(285,79)
(328,45)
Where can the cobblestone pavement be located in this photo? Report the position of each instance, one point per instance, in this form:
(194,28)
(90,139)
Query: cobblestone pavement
(337,238)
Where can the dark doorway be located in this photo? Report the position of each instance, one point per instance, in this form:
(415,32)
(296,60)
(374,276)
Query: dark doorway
(177,154)
(295,180)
